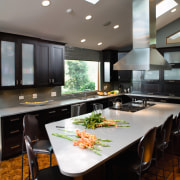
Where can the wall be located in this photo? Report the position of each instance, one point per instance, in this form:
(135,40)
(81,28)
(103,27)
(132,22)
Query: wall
(167,31)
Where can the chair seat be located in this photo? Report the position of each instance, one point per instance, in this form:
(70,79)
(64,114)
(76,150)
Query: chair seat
(42,147)
(135,166)
(52,173)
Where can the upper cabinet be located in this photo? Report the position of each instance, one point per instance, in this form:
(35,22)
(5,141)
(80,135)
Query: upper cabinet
(30,62)
(49,64)
(8,62)
(17,62)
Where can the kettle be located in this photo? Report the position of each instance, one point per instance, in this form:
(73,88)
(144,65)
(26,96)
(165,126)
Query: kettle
(117,103)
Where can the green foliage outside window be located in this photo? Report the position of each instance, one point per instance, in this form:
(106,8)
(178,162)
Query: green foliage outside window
(76,77)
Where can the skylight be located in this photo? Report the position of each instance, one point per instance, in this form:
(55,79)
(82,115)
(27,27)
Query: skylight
(164,6)
(175,36)
(92,1)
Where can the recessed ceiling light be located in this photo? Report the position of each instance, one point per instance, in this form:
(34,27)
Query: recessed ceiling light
(45,3)
(173,10)
(88,17)
(83,40)
(165,6)
(99,44)
(69,11)
(116,26)
(92,1)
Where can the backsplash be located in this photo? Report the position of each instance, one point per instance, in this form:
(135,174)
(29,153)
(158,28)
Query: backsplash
(10,98)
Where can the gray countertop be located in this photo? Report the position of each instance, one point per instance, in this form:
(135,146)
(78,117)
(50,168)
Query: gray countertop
(151,95)
(20,109)
(74,161)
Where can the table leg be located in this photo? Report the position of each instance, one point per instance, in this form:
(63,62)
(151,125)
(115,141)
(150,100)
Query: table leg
(78,178)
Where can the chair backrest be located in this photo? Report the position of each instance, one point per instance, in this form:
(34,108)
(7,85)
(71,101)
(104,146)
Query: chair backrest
(166,130)
(75,110)
(146,146)
(78,109)
(31,126)
(97,107)
(178,122)
(33,164)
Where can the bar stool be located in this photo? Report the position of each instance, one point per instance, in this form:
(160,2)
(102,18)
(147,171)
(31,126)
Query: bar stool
(78,109)
(97,107)
(137,161)
(43,174)
(31,129)
(162,143)
(175,137)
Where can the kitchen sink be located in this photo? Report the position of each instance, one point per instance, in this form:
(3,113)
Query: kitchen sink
(89,97)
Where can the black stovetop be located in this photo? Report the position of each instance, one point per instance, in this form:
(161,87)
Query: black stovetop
(132,107)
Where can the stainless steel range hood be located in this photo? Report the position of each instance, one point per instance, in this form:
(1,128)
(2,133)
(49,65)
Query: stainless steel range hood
(144,55)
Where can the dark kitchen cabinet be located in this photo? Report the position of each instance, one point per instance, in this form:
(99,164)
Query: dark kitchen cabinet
(17,61)
(12,128)
(11,135)
(56,114)
(109,58)
(49,64)
(124,75)
(30,62)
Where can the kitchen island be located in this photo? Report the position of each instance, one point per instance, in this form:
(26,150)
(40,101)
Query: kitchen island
(76,162)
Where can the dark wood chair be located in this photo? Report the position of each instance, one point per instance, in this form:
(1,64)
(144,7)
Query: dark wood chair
(31,129)
(43,174)
(136,161)
(162,144)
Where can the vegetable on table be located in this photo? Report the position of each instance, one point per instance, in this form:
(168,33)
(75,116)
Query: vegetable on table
(96,120)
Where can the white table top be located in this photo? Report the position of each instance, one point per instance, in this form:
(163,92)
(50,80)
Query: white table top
(74,161)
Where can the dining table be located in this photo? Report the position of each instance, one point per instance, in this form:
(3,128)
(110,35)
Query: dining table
(76,162)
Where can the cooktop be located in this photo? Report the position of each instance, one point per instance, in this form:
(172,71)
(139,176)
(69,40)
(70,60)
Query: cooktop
(132,107)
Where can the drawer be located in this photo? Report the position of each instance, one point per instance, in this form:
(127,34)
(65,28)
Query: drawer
(11,126)
(11,146)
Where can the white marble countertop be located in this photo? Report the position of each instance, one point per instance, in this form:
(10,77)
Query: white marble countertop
(74,161)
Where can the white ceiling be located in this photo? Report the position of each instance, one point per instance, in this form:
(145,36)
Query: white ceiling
(28,17)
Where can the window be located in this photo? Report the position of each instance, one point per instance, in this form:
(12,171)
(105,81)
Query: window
(151,75)
(173,74)
(80,76)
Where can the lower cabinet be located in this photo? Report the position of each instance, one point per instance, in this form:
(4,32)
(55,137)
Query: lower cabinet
(11,133)
(12,128)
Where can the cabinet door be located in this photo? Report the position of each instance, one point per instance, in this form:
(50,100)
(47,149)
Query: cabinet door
(27,71)
(57,65)
(8,62)
(42,64)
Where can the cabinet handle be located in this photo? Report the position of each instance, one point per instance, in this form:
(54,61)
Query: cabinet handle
(64,109)
(16,119)
(52,80)
(13,132)
(14,147)
(171,81)
(17,82)
(52,112)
